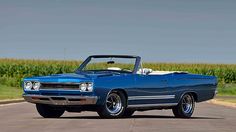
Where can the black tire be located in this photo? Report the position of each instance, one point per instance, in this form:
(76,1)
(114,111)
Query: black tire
(111,109)
(47,111)
(185,108)
(128,113)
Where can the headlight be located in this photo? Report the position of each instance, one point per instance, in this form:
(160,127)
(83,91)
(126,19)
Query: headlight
(83,87)
(90,87)
(36,85)
(86,87)
(28,85)
(31,86)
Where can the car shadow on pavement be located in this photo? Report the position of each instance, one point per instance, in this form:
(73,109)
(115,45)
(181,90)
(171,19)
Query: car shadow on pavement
(166,117)
(140,117)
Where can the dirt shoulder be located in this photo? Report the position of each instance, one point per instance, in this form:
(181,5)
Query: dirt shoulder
(229,101)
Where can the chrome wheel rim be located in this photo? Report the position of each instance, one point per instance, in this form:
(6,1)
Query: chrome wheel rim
(113,103)
(187,104)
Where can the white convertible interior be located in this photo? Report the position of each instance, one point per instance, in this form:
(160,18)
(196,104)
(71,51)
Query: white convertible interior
(148,71)
(114,68)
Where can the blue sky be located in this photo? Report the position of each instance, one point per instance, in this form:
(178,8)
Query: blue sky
(190,31)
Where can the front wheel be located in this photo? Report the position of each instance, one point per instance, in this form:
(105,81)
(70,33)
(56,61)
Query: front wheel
(47,111)
(185,107)
(114,106)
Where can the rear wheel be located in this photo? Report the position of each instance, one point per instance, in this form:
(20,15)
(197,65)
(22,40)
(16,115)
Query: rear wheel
(185,107)
(47,111)
(114,106)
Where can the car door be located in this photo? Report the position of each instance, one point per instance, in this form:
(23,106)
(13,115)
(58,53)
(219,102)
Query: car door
(151,90)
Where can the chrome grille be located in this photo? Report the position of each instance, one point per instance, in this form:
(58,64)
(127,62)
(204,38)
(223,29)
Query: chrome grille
(72,86)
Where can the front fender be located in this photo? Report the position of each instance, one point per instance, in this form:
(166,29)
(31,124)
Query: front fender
(102,94)
(103,85)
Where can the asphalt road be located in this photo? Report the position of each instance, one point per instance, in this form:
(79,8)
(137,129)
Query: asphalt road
(22,117)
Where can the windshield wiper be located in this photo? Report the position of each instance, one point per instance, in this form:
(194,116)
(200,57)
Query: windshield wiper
(115,72)
(108,71)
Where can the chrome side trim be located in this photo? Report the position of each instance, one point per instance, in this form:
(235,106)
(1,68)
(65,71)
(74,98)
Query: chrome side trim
(152,105)
(61,100)
(151,97)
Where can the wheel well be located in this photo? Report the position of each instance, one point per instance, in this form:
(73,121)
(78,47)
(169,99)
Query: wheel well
(122,91)
(194,96)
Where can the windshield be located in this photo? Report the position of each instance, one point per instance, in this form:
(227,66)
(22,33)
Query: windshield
(108,64)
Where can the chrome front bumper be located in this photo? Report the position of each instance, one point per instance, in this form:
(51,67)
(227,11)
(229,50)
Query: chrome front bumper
(61,100)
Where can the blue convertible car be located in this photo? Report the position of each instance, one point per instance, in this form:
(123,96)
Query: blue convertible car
(116,86)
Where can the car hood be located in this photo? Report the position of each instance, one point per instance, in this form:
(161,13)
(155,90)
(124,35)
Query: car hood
(71,77)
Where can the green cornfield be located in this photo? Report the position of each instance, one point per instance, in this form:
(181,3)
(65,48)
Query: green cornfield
(13,70)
